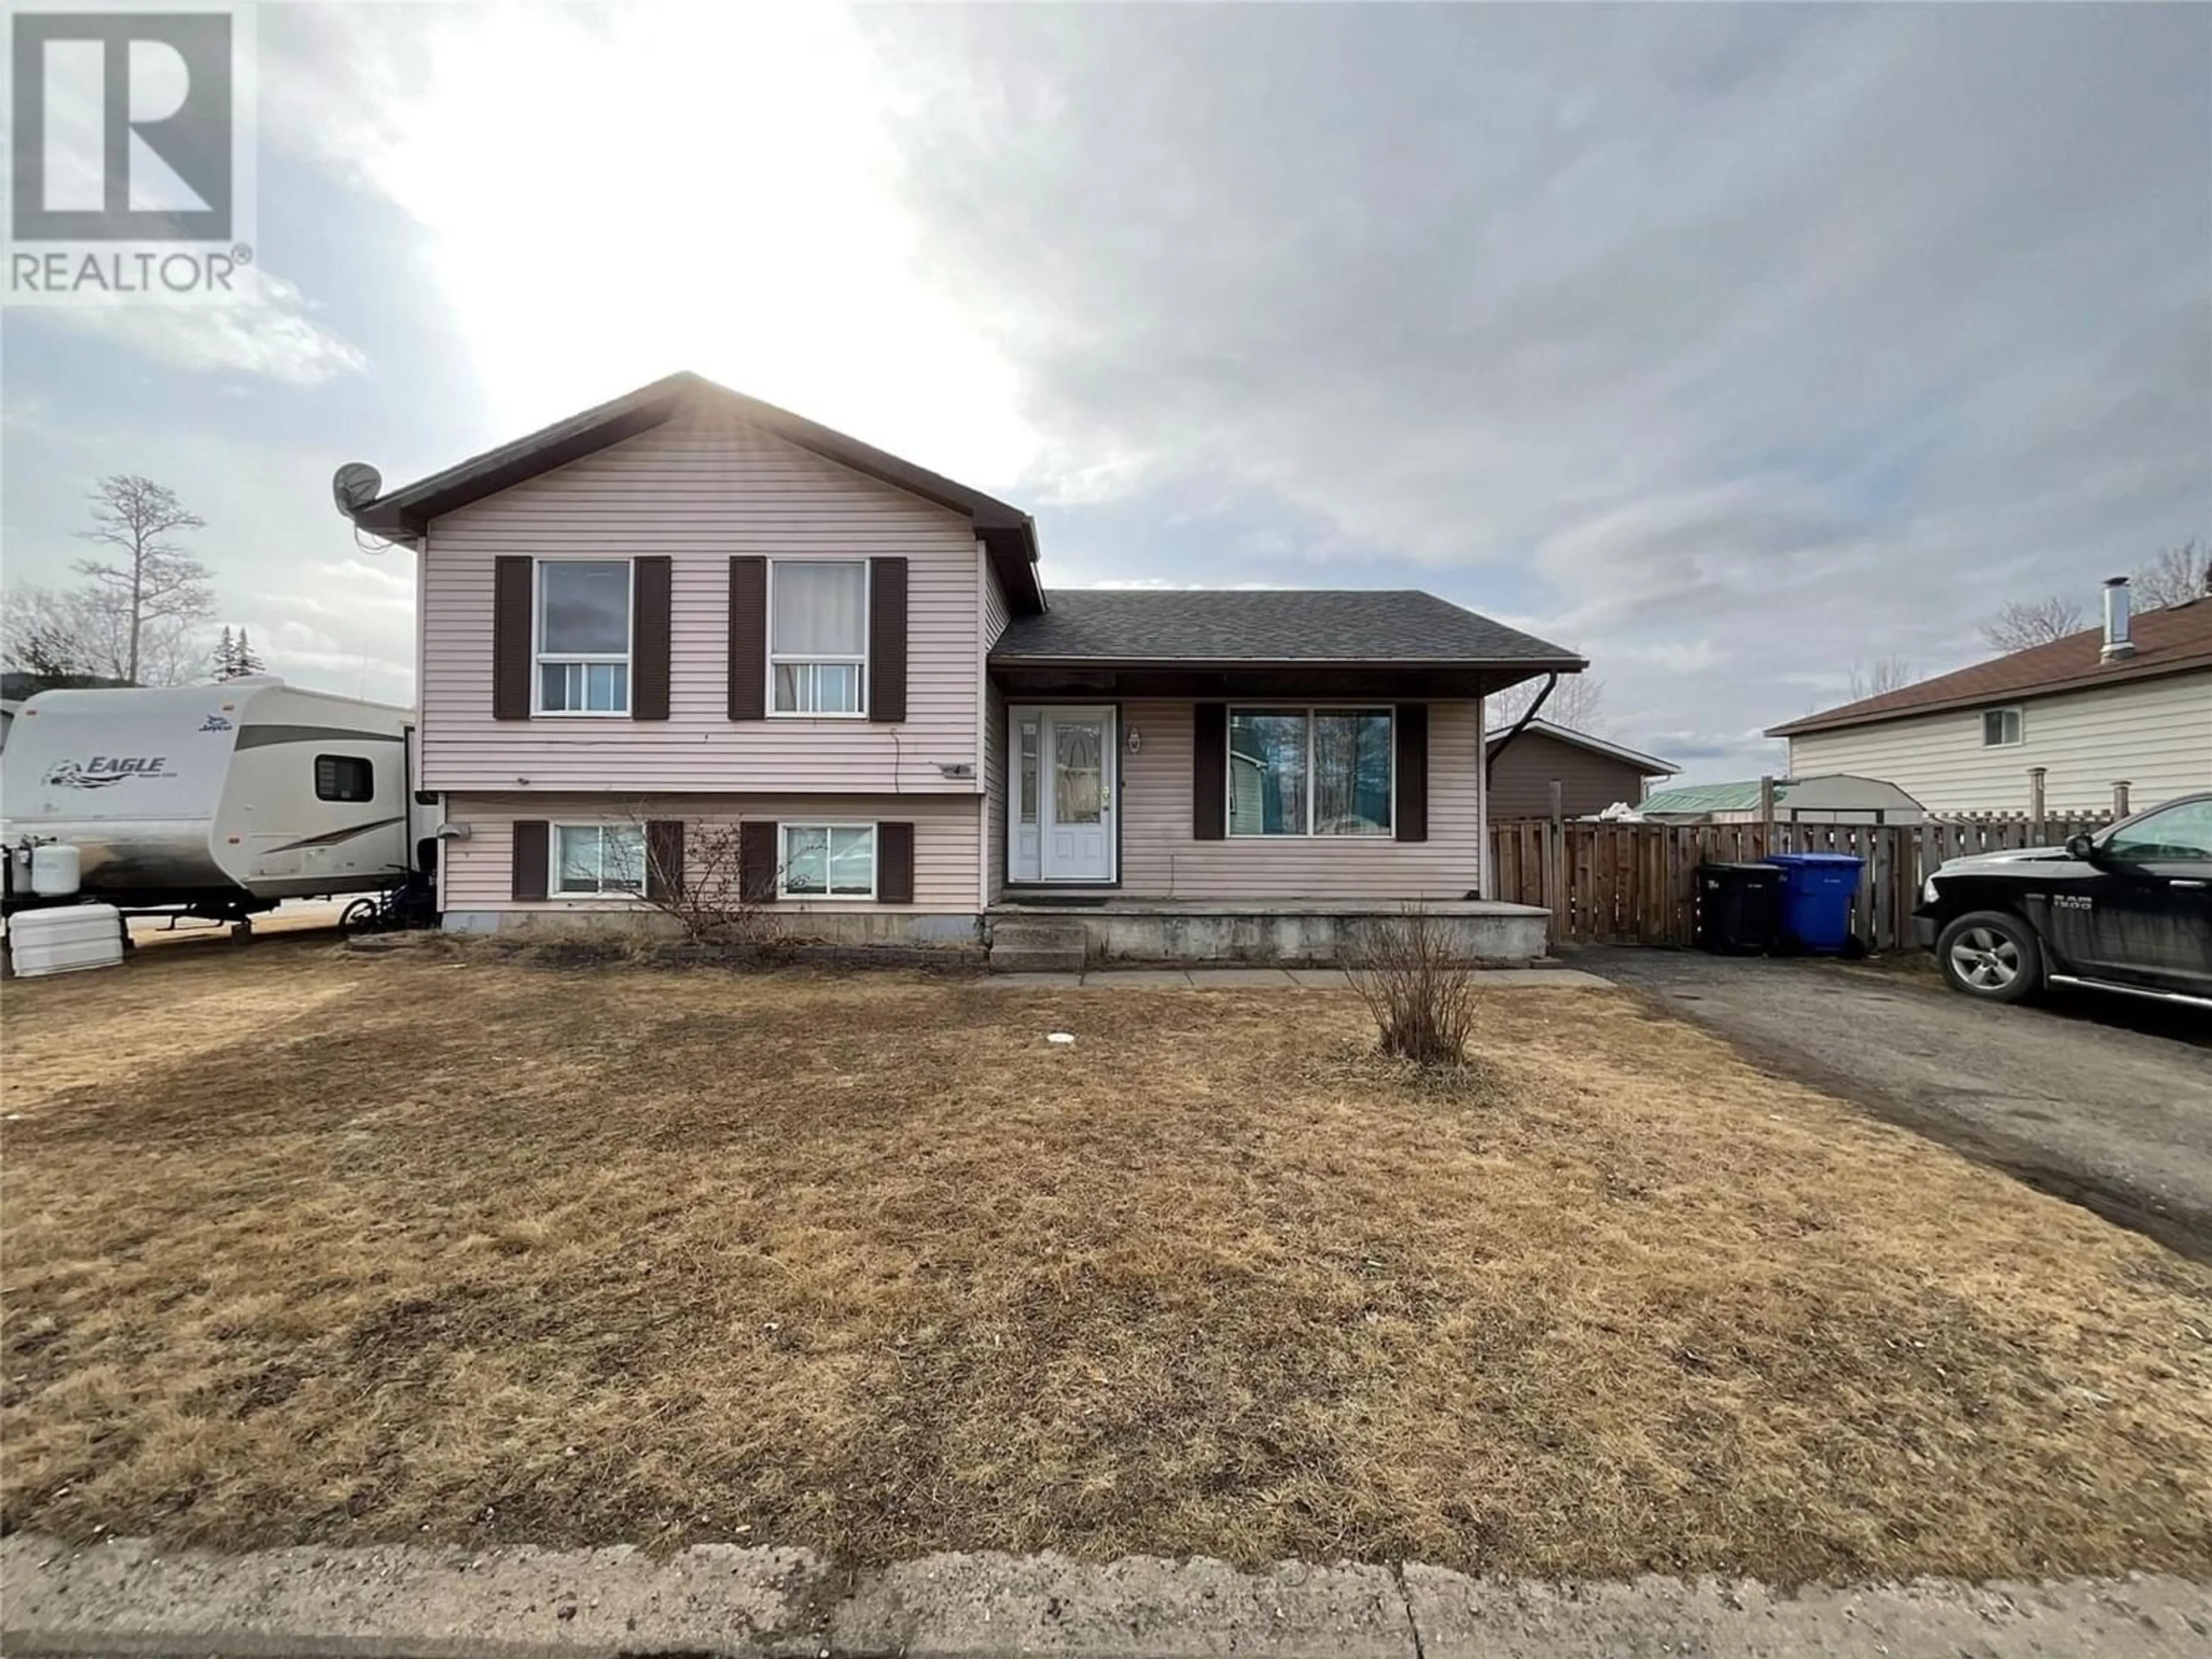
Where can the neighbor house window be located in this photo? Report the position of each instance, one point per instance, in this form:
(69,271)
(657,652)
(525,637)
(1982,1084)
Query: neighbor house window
(818,644)
(593,860)
(1999,727)
(345,777)
(828,861)
(1309,771)
(583,636)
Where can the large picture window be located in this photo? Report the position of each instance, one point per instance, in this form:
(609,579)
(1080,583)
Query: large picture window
(597,860)
(1309,771)
(818,645)
(828,861)
(583,636)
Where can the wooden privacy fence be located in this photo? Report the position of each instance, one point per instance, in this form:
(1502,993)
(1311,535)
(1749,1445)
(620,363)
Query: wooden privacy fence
(1636,884)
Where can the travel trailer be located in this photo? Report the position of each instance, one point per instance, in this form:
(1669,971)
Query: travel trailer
(217,801)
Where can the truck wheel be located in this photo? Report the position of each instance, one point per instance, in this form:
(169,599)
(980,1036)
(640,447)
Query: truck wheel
(1992,955)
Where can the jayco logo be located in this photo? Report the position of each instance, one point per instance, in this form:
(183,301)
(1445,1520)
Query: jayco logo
(214,723)
(104,771)
(127,128)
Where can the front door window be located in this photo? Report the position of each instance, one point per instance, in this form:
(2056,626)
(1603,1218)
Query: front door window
(1078,776)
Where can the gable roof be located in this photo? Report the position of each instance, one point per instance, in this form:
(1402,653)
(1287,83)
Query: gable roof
(2173,641)
(1650,765)
(404,514)
(1273,626)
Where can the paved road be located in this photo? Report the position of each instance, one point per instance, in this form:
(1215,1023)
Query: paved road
(2103,1101)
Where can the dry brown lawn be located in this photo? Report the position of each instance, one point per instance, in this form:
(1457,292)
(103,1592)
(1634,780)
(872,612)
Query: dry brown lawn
(302,1244)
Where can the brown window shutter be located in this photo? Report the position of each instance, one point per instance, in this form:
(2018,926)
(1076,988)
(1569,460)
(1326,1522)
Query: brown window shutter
(1413,771)
(757,859)
(1209,771)
(648,664)
(749,642)
(886,641)
(894,864)
(511,641)
(664,858)
(533,856)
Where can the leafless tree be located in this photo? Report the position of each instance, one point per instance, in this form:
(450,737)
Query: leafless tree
(1417,984)
(1577,701)
(151,582)
(1889,674)
(699,883)
(2026,622)
(41,634)
(78,632)
(2175,576)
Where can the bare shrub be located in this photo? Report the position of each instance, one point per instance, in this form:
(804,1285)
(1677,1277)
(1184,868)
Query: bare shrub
(1409,973)
(692,875)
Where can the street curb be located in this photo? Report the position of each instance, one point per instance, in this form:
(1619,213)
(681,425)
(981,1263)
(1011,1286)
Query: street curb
(129,1597)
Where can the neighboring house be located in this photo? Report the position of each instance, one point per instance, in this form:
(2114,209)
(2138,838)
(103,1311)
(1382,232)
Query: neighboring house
(1835,797)
(1591,773)
(2129,703)
(686,607)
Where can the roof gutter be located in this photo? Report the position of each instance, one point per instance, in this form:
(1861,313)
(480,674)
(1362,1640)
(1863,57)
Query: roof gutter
(1490,761)
(1212,663)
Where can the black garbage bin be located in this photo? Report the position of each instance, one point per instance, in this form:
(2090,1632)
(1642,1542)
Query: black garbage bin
(1737,907)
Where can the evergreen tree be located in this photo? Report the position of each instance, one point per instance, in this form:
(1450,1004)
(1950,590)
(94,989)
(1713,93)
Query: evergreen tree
(247,662)
(226,656)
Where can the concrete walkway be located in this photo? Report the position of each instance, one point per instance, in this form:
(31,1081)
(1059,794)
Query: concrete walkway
(407,1602)
(1265,979)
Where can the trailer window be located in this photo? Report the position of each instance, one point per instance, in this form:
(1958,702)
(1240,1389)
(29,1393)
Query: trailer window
(345,777)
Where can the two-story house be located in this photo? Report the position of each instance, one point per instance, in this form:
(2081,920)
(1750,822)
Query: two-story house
(2121,710)
(686,606)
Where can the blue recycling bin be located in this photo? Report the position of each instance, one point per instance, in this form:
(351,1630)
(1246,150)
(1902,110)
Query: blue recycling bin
(1816,912)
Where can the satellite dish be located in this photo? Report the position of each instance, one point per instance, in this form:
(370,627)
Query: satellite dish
(354,486)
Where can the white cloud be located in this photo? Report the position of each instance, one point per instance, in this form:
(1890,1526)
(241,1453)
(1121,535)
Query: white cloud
(606,197)
(272,334)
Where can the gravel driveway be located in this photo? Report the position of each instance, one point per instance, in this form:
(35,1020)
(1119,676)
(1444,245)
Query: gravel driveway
(2101,1100)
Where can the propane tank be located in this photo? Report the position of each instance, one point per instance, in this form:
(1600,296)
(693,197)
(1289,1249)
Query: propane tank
(55,869)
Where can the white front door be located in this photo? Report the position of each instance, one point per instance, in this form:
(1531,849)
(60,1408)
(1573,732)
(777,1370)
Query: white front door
(1075,819)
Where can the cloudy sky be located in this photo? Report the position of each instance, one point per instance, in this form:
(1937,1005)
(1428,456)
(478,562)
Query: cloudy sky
(1729,346)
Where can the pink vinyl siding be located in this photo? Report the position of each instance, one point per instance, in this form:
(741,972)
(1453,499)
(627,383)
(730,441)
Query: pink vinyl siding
(478,872)
(701,489)
(1161,859)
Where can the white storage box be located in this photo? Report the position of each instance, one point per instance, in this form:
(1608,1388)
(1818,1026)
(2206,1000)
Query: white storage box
(65,938)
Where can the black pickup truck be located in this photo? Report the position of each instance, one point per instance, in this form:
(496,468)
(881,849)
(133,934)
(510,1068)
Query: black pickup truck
(2127,909)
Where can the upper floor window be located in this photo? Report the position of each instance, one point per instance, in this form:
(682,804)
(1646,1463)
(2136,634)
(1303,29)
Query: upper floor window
(2001,727)
(345,777)
(817,645)
(583,636)
(1309,771)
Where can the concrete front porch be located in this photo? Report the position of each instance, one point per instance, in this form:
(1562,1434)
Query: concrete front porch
(1066,932)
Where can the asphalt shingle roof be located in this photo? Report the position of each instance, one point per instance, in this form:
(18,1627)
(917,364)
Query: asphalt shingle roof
(1272,625)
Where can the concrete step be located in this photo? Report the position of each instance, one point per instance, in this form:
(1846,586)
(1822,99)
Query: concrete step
(1040,935)
(1006,961)
(1037,945)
